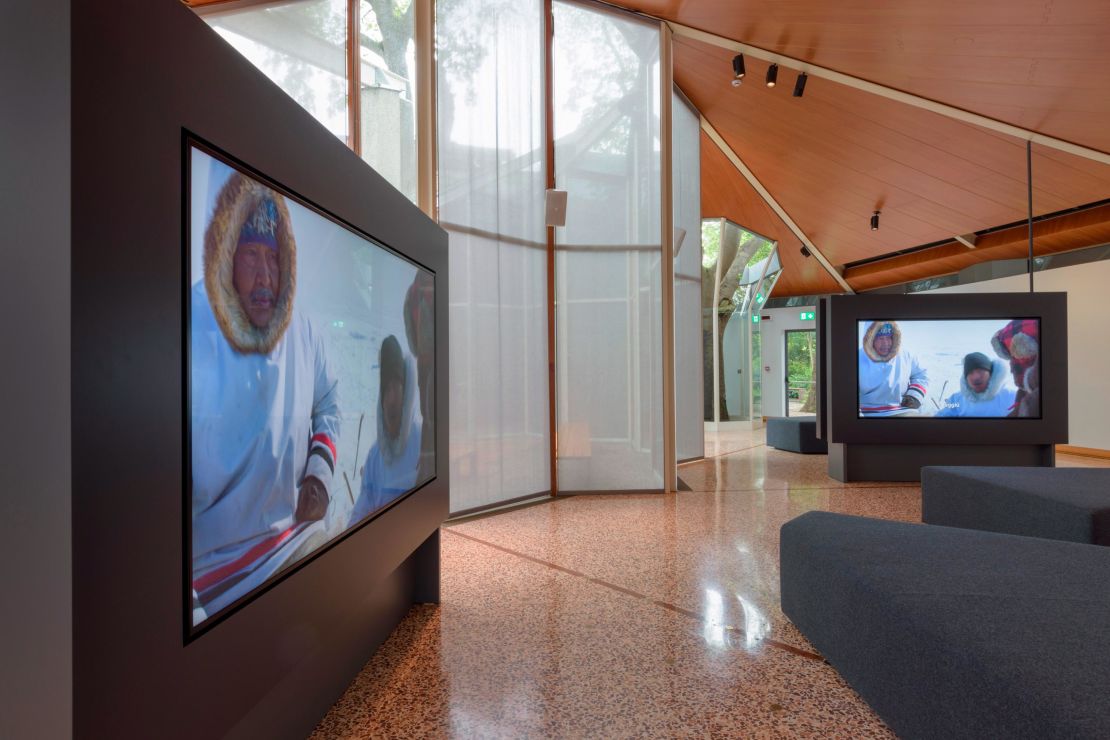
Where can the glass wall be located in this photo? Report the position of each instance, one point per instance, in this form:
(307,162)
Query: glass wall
(740,269)
(686,187)
(492,177)
(302,47)
(387,90)
(608,303)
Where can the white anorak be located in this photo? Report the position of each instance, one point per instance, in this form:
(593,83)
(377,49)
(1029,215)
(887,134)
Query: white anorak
(883,381)
(255,420)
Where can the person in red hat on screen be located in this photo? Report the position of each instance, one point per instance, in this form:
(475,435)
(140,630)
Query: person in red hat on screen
(1019,343)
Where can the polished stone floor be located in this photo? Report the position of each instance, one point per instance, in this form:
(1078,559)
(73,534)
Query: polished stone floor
(625,616)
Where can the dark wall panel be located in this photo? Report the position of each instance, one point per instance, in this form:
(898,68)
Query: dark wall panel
(35,621)
(144,70)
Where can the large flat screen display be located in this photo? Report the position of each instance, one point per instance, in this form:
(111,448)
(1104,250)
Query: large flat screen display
(310,351)
(950,368)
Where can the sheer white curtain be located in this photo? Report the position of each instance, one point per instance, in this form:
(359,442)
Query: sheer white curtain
(491,187)
(609,392)
(688,362)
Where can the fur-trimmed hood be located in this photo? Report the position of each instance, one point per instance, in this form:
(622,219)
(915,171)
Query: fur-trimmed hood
(999,373)
(869,341)
(238,199)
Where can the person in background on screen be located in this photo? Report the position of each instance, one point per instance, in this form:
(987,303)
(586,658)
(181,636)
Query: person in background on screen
(420,332)
(1019,343)
(891,381)
(981,393)
(393,460)
(264,403)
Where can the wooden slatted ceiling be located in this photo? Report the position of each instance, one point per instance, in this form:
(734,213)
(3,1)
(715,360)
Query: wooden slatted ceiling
(725,193)
(835,155)
(1038,64)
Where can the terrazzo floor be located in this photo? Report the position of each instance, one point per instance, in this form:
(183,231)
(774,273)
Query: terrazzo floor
(621,616)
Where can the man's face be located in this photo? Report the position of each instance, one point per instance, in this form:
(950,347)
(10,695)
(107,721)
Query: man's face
(257,280)
(393,396)
(883,344)
(978,379)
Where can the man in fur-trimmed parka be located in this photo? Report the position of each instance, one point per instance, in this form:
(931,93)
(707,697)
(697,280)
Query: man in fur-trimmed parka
(264,403)
(981,393)
(891,381)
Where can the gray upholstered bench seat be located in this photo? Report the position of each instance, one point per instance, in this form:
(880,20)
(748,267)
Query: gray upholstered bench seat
(795,434)
(1056,503)
(952,632)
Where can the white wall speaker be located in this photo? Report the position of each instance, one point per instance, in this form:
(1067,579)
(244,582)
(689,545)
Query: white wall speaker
(555,208)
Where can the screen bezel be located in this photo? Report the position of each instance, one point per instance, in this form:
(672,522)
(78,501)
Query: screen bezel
(842,386)
(190,141)
(961,419)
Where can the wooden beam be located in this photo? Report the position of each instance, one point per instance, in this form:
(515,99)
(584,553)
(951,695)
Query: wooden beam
(427,166)
(666,259)
(354,79)
(733,157)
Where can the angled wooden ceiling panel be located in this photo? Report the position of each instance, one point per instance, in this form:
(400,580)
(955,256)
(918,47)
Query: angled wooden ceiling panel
(725,193)
(835,155)
(1038,64)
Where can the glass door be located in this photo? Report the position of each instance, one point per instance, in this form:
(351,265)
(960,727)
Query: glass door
(801,372)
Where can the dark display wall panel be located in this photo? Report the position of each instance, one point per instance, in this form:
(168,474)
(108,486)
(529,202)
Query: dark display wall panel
(144,71)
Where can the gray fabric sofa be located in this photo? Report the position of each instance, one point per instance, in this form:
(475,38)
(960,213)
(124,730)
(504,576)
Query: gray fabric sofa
(951,632)
(795,434)
(1055,503)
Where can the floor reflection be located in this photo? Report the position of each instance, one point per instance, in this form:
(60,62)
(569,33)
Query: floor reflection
(624,616)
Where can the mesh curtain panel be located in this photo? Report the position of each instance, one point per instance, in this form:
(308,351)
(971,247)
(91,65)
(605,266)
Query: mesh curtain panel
(609,391)
(492,177)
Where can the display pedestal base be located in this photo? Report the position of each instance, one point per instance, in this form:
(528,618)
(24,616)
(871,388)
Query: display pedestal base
(892,462)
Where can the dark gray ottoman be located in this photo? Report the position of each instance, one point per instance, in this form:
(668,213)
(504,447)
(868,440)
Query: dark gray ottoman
(795,434)
(1056,503)
(953,632)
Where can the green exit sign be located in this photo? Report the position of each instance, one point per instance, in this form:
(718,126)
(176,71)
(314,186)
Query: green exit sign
(755,318)
(806,316)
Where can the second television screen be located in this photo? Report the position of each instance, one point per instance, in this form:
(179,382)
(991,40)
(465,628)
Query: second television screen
(949,368)
(311,366)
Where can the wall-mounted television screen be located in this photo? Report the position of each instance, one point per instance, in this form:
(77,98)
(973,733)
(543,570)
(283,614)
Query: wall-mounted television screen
(949,368)
(310,366)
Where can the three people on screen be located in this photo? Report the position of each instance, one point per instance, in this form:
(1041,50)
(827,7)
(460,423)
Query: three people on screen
(267,394)
(894,381)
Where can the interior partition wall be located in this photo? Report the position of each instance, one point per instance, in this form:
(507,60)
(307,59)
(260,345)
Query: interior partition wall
(609,344)
(492,176)
(686,193)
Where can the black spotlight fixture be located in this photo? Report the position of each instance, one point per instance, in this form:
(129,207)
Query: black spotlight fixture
(737,70)
(800,85)
(805,251)
(875,221)
(772,75)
